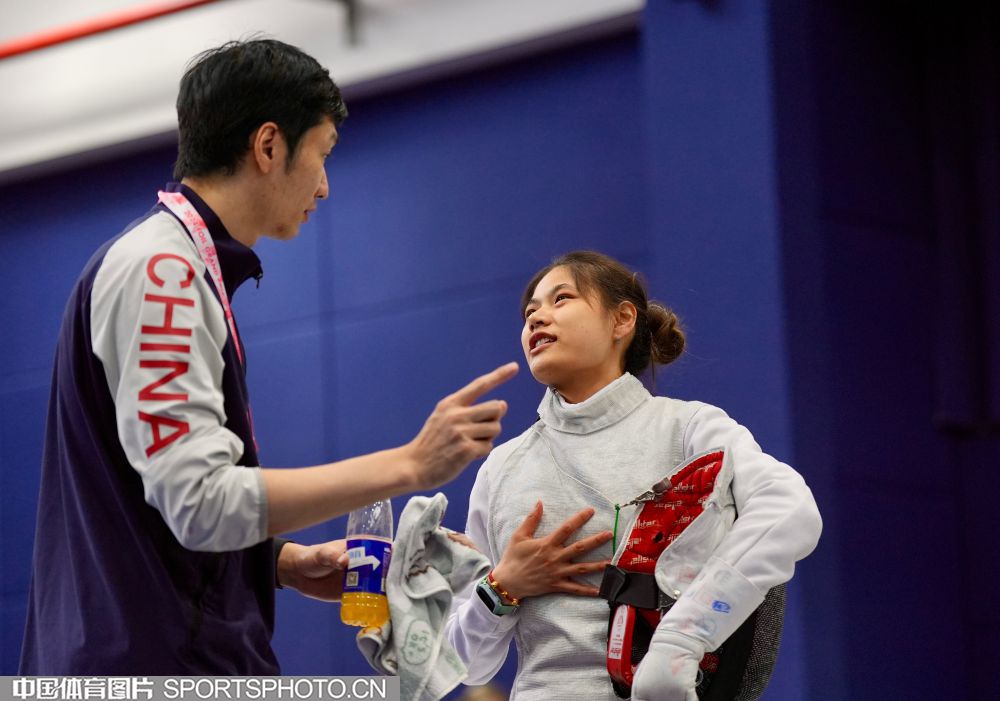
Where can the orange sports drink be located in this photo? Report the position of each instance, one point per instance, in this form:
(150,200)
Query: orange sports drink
(369,547)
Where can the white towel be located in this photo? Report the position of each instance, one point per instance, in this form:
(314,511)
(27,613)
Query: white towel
(426,569)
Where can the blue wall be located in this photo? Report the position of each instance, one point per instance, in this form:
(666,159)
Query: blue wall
(769,171)
(887,151)
(714,232)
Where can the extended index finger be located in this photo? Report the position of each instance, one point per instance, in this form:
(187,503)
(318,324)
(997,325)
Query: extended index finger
(483,384)
(571,525)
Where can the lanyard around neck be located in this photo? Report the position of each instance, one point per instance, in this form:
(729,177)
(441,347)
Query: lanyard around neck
(177,203)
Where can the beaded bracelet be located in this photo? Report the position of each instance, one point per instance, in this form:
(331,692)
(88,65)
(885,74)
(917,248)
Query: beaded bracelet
(495,586)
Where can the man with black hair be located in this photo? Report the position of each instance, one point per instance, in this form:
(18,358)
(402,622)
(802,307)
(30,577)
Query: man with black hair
(155,550)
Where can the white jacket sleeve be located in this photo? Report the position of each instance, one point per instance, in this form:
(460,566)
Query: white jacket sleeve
(777,524)
(159,332)
(777,521)
(480,638)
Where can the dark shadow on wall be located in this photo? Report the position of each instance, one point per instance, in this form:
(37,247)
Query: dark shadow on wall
(887,135)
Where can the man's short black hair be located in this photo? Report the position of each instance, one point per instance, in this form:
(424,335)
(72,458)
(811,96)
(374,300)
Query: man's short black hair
(229,91)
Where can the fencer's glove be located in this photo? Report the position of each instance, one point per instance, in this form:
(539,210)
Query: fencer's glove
(715,604)
(669,671)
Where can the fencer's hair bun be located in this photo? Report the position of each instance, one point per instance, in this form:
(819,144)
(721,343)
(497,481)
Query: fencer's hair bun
(667,337)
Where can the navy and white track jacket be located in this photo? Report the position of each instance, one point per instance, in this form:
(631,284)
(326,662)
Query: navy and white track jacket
(151,550)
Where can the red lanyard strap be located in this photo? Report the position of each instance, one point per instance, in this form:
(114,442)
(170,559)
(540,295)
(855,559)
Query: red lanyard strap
(195,224)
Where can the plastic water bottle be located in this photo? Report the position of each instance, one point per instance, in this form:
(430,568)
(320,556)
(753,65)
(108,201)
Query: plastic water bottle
(369,546)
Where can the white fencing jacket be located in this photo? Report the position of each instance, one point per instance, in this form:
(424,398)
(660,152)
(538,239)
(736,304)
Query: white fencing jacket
(606,451)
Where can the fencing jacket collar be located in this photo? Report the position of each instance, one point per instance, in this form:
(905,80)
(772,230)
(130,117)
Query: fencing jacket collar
(606,407)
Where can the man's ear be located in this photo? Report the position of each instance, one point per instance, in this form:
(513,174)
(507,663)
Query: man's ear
(268,147)
(624,318)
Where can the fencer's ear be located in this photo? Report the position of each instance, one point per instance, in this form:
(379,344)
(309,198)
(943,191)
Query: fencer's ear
(267,146)
(624,317)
